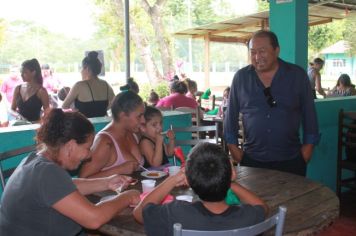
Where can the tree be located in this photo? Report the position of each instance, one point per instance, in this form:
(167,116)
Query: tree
(2,31)
(322,36)
(349,34)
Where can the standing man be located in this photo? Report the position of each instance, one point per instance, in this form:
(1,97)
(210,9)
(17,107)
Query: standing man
(274,98)
(315,77)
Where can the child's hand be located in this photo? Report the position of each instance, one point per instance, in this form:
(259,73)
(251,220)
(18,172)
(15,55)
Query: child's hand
(170,134)
(159,139)
(180,178)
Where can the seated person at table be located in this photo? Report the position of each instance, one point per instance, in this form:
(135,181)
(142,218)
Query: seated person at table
(343,87)
(152,144)
(208,172)
(29,98)
(177,97)
(41,198)
(153,98)
(192,88)
(91,96)
(223,105)
(115,149)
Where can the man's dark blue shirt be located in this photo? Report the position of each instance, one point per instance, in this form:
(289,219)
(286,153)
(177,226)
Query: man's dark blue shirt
(272,132)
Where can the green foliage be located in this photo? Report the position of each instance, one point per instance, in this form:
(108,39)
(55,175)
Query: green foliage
(162,89)
(349,34)
(322,36)
(263,5)
(2,31)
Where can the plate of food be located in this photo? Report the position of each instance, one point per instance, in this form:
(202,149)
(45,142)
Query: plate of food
(153,174)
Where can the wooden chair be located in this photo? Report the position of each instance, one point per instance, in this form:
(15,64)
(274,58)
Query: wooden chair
(346,151)
(275,220)
(4,174)
(194,139)
(196,114)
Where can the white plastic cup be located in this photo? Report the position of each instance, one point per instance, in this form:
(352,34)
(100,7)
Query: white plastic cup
(186,198)
(148,185)
(173,170)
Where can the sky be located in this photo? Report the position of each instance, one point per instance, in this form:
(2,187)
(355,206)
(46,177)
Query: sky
(71,17)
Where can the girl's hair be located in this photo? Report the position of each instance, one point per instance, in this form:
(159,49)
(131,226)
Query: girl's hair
(60,127)
(92,62)
(151,112)
(34,65)
(345,80)
(131,85)
(227,89)
(153,98)
(179,87)
(126,102)
(191,84)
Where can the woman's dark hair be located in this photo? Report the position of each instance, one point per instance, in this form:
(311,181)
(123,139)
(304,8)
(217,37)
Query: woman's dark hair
(151,112)
(131,85)
(208,172)
(60,127)
(179,87)
(345,80)
(153,98)
(318,61)
(92,62)
(191,84)
(126,102)
(267,34)
(34,65)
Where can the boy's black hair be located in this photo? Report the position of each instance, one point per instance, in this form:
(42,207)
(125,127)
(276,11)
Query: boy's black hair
(150,112)
(208,171)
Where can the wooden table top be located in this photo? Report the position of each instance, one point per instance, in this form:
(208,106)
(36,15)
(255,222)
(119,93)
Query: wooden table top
(310,206)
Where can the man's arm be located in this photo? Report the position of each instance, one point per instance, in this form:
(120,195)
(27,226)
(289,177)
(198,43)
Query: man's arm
(311,134)
(318,88)
(231,121)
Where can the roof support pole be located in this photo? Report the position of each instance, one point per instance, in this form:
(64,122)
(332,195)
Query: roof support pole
(207,61)
(127,39)
(289,20)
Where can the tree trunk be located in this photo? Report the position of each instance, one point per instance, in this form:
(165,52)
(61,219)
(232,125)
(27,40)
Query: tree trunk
(164,44)
(142,45)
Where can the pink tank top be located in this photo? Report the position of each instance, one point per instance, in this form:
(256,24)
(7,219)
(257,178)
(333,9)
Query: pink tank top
(119,157)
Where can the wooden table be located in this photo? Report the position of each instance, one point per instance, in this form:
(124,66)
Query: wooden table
(310,205)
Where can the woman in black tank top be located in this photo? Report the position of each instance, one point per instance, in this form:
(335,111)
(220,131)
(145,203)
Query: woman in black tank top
(30,97)
(91,68)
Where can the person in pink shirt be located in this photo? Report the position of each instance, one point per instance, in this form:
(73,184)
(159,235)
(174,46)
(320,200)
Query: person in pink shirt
(177,97)
(9,85)
(50,83)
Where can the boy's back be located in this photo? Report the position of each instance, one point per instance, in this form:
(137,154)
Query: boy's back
(159,219)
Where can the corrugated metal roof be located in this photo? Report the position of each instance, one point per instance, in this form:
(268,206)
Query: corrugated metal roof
(241,29)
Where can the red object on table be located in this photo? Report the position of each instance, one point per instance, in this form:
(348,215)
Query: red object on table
(178,152)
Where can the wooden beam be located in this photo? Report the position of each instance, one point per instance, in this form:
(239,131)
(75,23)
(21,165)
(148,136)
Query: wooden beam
(321,22)
(228,39)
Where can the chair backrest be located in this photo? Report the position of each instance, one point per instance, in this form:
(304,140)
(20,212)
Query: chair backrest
(347,135)
(4,174)
(165,108)
(275,220)
(196,114)
(196,130)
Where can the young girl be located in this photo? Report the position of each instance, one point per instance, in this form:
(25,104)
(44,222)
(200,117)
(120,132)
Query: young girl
(152,146)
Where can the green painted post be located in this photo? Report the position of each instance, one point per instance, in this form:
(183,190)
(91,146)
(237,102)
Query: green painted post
(289,20)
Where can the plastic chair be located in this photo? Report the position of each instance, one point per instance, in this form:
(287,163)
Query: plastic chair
(275,220)
(346,150)
(196,114)
(4,174)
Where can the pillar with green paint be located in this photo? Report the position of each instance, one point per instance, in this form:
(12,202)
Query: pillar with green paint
(289,20)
